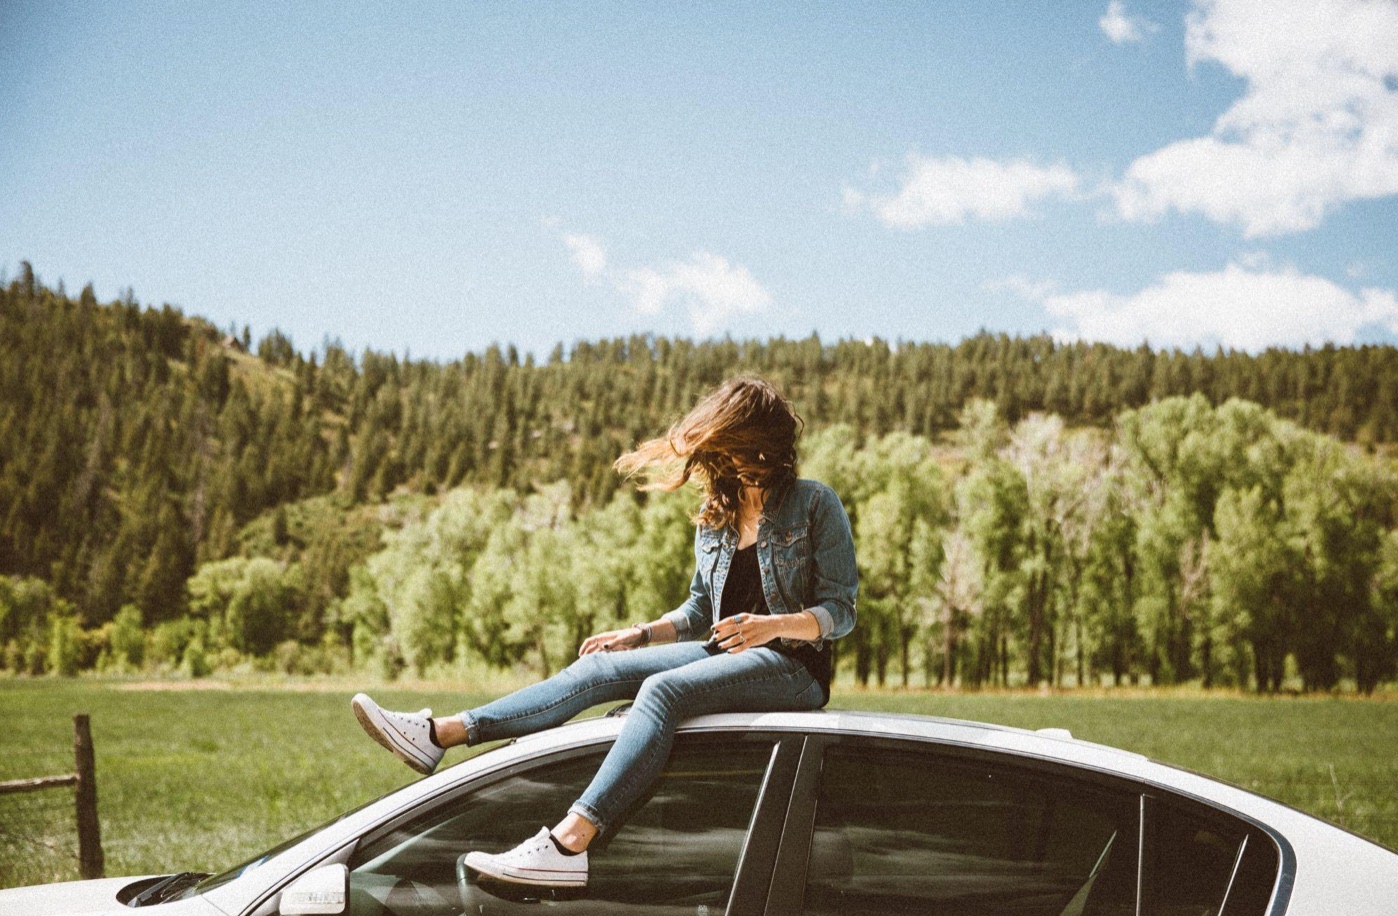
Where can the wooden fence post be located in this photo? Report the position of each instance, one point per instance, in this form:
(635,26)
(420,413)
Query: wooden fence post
(90,863)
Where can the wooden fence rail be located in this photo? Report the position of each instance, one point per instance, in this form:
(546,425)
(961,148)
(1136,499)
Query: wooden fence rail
(90,861)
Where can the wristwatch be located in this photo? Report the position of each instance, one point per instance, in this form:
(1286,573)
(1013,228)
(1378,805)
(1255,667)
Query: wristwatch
(645,632)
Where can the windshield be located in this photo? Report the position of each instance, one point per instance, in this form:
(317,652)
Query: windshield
(242,868)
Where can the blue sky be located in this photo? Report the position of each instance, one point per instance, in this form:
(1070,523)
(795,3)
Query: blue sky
(434,178)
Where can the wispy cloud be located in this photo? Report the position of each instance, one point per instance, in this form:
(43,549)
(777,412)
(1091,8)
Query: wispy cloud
(588,253)
(1316,127)
(1121,28)
(1239,307)
(1021,286)
(712,290)
(950,190)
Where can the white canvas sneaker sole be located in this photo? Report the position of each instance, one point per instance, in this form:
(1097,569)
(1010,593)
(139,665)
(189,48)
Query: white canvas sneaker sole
(514,874)
(378,726)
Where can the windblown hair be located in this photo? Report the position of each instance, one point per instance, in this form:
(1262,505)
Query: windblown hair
(742,433)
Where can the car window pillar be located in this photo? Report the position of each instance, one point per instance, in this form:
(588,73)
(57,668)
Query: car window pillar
(765,833)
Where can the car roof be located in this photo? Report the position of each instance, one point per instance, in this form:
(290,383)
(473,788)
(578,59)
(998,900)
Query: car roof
(1056,743)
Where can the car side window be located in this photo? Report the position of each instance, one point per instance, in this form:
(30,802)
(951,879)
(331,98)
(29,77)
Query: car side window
(928,832)
(675,852)
(911,832)
(1196,860)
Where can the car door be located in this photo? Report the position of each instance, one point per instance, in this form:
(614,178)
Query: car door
(879,827)
(704,836)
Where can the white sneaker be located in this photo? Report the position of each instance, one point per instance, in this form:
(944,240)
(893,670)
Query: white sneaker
(407,734)
(535,861)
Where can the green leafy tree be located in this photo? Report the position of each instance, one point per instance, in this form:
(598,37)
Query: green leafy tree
(257,613)
(898,544)
(1377,655)
(1256,572)
(1337,529)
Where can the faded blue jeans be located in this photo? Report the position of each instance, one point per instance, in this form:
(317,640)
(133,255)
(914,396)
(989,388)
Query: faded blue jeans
(669,683)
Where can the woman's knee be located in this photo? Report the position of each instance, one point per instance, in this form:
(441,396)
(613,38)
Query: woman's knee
(659,690)
(592,668)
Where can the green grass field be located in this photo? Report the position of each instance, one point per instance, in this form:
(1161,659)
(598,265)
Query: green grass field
(197,779)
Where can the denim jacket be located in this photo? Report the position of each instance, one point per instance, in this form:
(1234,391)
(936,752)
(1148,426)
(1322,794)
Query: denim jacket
(805,553)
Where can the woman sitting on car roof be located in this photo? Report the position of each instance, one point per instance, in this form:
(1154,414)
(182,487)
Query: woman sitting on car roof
(774,582)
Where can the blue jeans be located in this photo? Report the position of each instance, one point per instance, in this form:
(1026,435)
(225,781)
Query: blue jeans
(669,683)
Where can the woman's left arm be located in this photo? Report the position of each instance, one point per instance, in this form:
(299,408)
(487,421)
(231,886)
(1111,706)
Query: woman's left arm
(835,579)
(748,631)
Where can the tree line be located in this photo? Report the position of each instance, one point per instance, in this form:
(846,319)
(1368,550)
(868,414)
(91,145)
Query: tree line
(1031,511)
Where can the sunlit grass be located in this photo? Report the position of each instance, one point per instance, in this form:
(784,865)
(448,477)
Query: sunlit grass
(197,779)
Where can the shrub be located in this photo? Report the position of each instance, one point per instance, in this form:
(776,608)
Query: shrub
(166,647)
(195,660)
(127,639)
(65,646)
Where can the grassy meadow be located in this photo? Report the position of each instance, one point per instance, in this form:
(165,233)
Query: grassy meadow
(199,775)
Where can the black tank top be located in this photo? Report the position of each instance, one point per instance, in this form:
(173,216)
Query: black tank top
(742,594)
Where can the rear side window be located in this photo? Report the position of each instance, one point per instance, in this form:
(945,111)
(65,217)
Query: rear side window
(912,831)
(1197,860)
(904,832)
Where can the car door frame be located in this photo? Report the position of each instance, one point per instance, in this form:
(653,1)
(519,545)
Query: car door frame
(753,872)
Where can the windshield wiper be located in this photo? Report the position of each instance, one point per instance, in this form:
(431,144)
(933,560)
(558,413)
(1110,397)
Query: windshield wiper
(165,888)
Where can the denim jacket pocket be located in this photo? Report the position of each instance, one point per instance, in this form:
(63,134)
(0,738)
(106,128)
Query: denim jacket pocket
(791,564)
(791,547)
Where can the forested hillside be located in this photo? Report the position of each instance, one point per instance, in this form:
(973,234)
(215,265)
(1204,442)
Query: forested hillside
(172,495)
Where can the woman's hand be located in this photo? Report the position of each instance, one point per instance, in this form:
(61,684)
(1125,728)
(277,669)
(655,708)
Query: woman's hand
(612,641)
(748,631)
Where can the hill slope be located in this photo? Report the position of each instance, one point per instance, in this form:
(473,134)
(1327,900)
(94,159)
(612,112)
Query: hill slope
(135,442)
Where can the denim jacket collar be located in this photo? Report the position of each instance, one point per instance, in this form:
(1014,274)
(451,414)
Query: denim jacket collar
(772,505)
(771,509)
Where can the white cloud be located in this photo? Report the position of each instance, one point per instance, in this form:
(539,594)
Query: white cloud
(1021,286)
(1238,307)
(588,253)
(707,285)
(1358,270)
(851,200)
(1119,27)
(948,190)
(1317,125)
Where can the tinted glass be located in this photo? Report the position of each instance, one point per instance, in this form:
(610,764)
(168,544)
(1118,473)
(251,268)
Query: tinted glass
(911,832)
(1195,857)
(675,852)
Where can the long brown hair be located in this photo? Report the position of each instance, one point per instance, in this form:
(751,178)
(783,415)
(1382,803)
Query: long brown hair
(742,433)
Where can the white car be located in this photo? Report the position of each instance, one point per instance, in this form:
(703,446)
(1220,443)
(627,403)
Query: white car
(827,812)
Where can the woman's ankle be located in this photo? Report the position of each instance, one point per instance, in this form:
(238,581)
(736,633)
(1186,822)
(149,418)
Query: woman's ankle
(574,833)
(449,732)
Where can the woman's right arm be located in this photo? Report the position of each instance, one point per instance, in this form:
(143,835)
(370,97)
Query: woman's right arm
(696,615)
(661,631)
(687,621)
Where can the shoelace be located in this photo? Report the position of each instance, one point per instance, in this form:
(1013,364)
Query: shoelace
(539,846)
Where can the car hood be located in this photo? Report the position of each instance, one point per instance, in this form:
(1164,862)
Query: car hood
(81,898)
